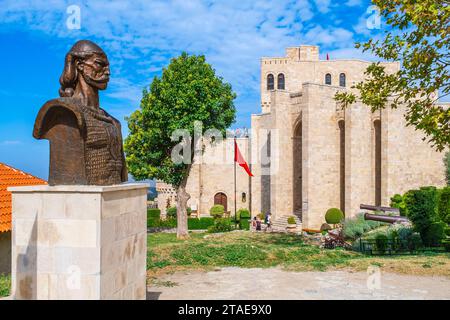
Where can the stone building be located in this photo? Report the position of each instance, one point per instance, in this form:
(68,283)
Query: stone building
(308,155)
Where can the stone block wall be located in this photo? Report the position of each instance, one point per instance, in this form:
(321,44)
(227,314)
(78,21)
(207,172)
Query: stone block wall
(79,242)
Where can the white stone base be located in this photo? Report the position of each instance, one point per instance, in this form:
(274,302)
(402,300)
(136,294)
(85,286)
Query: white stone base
(79,242)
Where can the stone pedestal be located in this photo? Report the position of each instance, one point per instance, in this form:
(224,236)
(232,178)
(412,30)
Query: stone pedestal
(79,242)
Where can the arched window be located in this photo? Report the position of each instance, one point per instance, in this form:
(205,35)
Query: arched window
(328,79)
(270,82)
(342,79)
(243,197)
(280,82)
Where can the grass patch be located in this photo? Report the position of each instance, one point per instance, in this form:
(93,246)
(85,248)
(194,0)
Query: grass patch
(246,249)
(5,285)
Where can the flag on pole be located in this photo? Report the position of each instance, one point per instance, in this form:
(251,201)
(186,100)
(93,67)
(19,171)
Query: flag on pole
(240,159)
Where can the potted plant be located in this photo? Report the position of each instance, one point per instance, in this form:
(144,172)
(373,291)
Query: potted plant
(292,225)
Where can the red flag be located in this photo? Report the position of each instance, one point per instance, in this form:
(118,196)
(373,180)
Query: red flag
(240,159)
(328,57)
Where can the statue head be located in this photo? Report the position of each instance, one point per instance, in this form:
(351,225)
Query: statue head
(88,61)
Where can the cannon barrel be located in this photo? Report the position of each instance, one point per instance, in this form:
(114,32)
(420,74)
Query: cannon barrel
(384,218)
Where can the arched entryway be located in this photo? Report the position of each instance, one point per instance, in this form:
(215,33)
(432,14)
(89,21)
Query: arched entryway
(297,181)
(221,198)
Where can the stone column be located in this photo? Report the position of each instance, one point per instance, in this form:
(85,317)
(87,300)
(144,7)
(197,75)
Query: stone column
(79,242)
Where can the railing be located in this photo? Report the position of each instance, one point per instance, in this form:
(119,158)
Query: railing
(396,247)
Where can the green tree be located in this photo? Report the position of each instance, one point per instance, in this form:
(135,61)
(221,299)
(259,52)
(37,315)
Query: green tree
(188,91)
(418,37)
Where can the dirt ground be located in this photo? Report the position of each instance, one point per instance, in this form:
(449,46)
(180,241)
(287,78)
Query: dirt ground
(274,283)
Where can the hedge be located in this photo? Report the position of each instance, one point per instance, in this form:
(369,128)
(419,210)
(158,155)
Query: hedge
(193,223)
(444,205)
(200,224)
(153,213)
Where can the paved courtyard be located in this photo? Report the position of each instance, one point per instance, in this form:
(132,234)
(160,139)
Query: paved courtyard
(274,283)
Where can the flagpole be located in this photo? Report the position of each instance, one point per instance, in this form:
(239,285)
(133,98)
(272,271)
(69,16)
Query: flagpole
(235,147)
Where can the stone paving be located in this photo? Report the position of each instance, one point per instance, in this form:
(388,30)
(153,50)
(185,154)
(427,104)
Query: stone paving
(274,283)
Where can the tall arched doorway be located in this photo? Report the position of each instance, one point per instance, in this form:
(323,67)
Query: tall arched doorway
(221,198)
(377,127)
(297,157)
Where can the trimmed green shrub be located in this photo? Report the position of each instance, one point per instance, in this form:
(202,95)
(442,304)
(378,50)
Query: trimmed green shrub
(398,201)
(291,220)
(217,211)
(200,224)
(325,227)
(242,214)
(171,212)
(421,209)
(381,243)
(244,224)
(220,225)
(334,216)
(444,205)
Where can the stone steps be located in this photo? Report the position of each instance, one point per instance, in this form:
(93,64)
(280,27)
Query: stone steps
(279,224)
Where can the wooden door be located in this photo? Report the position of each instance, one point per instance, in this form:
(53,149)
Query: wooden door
(221,198)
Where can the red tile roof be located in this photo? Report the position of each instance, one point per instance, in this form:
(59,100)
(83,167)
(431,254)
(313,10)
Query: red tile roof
(10,177)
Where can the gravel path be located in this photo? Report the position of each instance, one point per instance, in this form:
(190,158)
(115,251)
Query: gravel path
(258,284)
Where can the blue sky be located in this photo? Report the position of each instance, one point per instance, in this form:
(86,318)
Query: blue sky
(140,37)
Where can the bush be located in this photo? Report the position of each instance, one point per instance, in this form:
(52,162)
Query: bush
(421,208)
(200,224)
(153,213)
(398,201)
(446,244)
(291,220)
(220,225)
(217,211)
(159,223)
(444,205)
(355,227)
(334,216)
(171,212)
(325,227)
(434,234)
(381,243)
(242,214)
(244,224)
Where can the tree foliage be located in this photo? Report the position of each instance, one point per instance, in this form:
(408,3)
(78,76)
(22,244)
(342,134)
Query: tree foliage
(419,37)
(187,91)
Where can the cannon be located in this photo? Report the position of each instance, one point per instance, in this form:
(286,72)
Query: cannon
(381,217)
(385,218)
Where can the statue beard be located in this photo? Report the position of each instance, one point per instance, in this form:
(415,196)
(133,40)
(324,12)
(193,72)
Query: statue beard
(100,83)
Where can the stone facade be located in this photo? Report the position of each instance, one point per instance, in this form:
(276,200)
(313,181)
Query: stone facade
(211,173)
(79,242)
(308,155)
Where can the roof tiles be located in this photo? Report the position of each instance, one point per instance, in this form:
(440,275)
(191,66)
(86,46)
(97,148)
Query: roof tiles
(10,177)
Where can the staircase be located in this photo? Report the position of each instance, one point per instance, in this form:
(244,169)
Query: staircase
(279,224)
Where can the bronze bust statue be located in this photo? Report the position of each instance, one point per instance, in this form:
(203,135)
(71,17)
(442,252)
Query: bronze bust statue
(85,141)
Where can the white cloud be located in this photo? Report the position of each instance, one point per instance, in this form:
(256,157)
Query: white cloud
(353,3)
(323,5)
(233,34)
(10,142)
